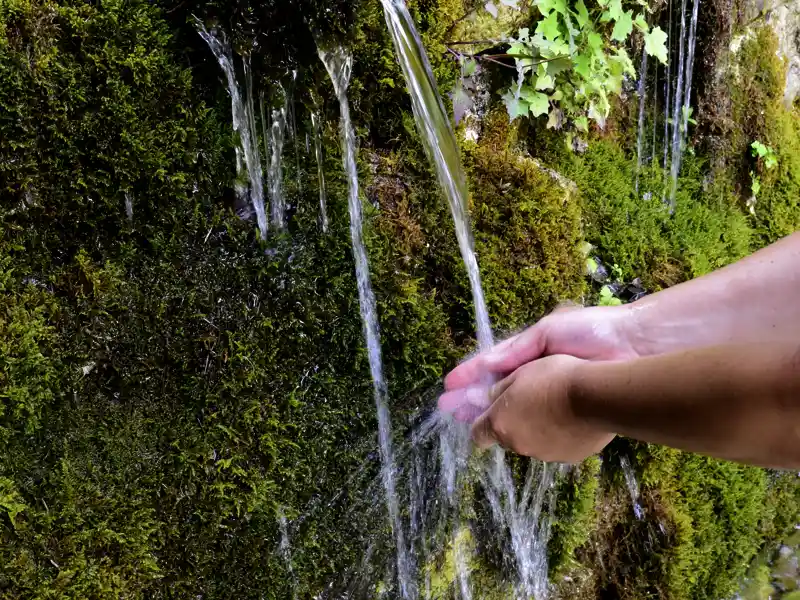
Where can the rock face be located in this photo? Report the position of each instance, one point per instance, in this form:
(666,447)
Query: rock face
(785,20)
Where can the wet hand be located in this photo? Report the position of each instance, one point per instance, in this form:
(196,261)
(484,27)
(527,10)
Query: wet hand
(597,333)
(531,414)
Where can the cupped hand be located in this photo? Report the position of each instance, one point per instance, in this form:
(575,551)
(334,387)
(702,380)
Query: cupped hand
(531,414)
(597,333)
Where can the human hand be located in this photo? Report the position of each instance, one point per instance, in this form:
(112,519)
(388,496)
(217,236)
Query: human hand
(531,414)
(597,333)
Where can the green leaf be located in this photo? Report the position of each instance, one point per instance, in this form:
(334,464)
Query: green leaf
(655,44)
(613,13)
(623,27)
(558,65)
(539,102)
(516,107)
(554,119)
(544,82)
(524,34)
(548,27)
(582,123)
(759,149)
(641,24)
(583,66)
(582,16)
(468,67)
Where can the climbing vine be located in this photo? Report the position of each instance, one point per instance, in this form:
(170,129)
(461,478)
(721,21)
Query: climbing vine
(573,60)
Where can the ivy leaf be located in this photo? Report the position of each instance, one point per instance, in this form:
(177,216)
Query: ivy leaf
(544,82)
(558,65)
(548,27)
(524,34)
(641,24)
(491,8)
(582,123)
(583,66)
(546,6)
(597,115)
(582,16)
(554,119)
(655,44)
(613,13)
(539,102)
(462,103)
(623,27)
(516,107)
(518,49)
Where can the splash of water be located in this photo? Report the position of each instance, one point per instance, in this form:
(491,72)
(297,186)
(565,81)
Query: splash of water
(248,160)
(339,63)
(633,486)
(316,123)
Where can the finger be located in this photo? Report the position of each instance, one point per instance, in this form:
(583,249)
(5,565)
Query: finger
(483,432)
(504,358)
(466,404)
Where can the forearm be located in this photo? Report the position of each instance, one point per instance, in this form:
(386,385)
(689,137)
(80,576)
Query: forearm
(753,300)
(736,402)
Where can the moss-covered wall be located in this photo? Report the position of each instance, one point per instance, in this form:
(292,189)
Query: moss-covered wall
(169,384)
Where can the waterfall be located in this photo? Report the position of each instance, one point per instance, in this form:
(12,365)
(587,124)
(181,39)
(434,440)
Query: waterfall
(129,206)
(677,105)
(248,159)
(440,144)
(286,549)
(275,171)
(441,147)
(323,194)
(339,64)
(668,87)
(642,91)
(633,486)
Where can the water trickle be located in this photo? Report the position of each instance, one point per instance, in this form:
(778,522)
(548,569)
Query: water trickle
(338,63)
(316,123)
(275,171)
(286,549)
(633,486)
(677,105)
(642,92)
(440,144)
(668,89)
(248,160)
(129,206)
(441,147)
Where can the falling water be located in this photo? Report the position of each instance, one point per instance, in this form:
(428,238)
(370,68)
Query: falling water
(323,194)
(275,171)
(286,549)
(642,91)
(633,486)
(129,206)
(687,92)
(677,105)
(248,160)
(668,88)
(440,144)
(339,64)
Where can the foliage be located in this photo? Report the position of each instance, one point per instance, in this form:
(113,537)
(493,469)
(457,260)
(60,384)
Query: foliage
(607,297)
(766,160)
(575,60)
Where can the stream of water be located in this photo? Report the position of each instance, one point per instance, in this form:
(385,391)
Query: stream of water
(316,123)
(339,64)
(248,159)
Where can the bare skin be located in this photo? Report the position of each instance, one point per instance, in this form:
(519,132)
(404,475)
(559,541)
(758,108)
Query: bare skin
(710,327)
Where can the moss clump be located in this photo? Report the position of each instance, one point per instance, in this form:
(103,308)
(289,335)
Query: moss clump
(529,230)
